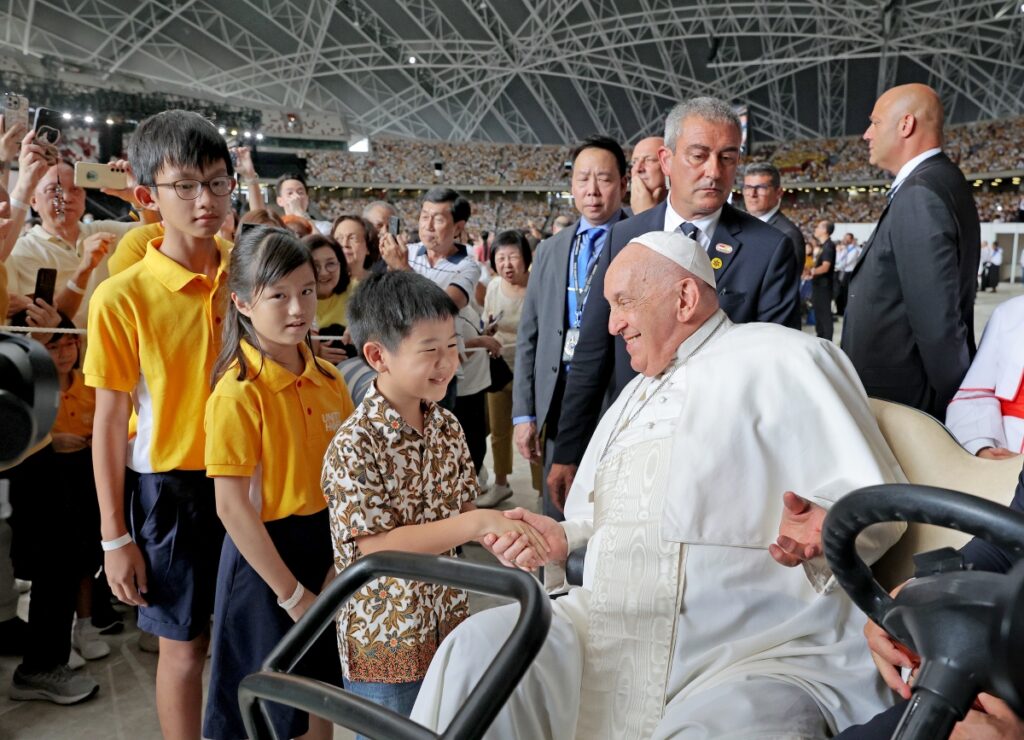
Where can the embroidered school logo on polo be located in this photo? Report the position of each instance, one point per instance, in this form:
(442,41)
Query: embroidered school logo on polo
(332,420)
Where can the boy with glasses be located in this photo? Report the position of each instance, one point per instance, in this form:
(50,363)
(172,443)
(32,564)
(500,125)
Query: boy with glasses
(154,333)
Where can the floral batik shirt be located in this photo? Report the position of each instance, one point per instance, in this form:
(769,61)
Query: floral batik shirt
(379,473)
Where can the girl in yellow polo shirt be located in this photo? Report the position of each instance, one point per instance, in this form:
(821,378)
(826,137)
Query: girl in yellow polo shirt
(272,414)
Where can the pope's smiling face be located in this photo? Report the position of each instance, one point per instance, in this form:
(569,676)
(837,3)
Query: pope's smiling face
(644,309)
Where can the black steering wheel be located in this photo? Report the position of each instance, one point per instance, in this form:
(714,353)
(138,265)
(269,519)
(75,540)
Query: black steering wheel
(967,626)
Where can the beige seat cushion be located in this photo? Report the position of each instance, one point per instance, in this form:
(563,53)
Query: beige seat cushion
(931,456)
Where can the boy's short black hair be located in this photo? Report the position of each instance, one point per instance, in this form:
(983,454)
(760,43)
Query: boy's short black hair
(461,209)
(176,138)
(597,141)
(386,307)
(285,178)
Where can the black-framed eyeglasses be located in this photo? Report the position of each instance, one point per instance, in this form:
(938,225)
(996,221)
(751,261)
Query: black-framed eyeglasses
(191,189)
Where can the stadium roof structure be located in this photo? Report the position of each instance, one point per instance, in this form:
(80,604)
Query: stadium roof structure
(541,71)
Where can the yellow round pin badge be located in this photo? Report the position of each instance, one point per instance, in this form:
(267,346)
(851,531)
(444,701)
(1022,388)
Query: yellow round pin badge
(716,262)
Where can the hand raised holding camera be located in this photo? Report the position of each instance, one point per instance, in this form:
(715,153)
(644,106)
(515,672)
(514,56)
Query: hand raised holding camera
(127,193)
(11,140)
(32,165)
(394,251)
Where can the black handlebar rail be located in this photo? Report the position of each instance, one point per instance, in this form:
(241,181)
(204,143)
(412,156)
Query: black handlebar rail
(275,682)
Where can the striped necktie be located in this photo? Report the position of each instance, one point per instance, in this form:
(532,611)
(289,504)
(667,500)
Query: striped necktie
(689,230)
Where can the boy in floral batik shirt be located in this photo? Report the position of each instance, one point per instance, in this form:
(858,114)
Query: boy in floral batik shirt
(398,476)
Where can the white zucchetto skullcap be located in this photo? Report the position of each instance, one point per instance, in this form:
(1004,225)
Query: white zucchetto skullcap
(682,250)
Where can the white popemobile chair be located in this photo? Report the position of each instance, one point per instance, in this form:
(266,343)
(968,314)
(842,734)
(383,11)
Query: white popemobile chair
(930,456)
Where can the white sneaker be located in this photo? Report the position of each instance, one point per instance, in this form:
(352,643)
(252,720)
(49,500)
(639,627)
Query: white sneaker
(483,479)
(494,496)
(75,661)
(85,639)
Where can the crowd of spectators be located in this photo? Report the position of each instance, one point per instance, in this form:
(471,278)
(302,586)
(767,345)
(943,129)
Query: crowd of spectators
(491,212)
(978,148)
(415,162)
(499,212)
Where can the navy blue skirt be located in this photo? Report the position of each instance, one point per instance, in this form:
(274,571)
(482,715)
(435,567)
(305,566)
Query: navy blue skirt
(248,624)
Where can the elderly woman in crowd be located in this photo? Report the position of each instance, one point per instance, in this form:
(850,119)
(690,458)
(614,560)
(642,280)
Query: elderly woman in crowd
(510,262)
(359,243)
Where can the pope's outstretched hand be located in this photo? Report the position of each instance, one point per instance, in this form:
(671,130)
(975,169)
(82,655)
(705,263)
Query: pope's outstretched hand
(799,531)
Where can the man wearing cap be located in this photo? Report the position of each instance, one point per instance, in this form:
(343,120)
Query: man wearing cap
(754,263)
(685,626)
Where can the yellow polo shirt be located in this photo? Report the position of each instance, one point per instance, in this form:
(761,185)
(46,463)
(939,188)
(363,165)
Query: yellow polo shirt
(132,247)
(333,309)
(274,429)
(77,406)
(154,332)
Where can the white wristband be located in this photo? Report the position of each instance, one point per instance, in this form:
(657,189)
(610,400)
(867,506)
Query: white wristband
(74,288)
(18,205)
(295,598)
(117,544)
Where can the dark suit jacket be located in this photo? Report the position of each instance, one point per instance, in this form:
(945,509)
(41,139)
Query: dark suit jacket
(541,331)
(909,326)
(758,281)
(790,229)
(537,381)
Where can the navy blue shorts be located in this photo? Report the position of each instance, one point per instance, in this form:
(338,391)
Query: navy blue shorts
(173,519)
(248,624)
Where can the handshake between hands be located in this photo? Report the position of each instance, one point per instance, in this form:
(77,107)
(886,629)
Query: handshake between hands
(519,538)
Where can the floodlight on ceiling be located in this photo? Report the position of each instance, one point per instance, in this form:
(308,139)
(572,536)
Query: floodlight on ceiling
(110,121)
(66,116)
(412,60)
(222,131)
(88,119)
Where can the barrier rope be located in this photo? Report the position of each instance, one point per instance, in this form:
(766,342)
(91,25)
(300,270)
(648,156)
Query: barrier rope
(39,330)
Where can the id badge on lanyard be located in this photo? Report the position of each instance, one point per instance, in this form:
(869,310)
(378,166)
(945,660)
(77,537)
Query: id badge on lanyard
(572,338)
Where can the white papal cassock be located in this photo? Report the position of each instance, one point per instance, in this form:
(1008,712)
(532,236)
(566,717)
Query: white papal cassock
(685,626)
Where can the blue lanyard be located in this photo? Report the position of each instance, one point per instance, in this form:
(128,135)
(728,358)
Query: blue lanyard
(578,296)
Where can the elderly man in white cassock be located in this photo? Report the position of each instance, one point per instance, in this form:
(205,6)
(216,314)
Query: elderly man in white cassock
(686,626)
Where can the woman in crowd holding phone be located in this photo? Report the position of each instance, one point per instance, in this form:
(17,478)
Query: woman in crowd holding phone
(333,290)
(510,262)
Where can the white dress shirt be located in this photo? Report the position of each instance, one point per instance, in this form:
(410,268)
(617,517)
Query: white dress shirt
(910,166)
(766,217)
(707,224)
